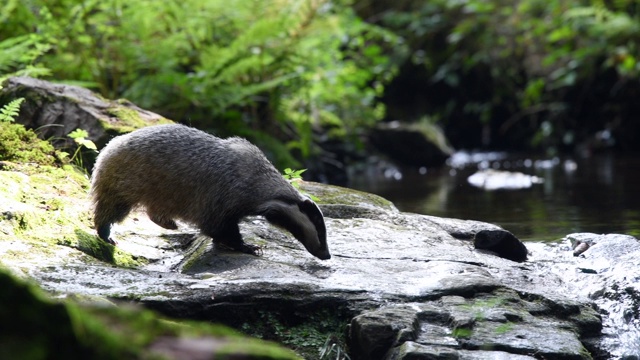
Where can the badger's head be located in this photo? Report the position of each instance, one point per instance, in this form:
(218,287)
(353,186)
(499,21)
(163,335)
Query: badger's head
(303,219)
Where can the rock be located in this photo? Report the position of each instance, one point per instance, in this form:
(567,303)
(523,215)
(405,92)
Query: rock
(608,274)
(56,110)
(490,180)
(418,144)
(401,280)
(414,351)
(500,321)
(373,333)
(502,243)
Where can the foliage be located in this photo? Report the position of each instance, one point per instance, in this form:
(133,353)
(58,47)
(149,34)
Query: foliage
(283,68)
(18,56)
(542,73)
(319,334)
(333,350)
(292,175)
(10,111)
(79,136)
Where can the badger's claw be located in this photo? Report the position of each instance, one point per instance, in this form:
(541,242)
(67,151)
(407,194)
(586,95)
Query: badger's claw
(243,248)
(251,249)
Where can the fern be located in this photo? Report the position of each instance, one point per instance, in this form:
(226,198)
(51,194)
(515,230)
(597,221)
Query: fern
(10,111)
(18,55)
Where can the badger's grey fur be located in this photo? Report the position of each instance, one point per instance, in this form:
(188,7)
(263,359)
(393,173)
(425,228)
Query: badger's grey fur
(177,172)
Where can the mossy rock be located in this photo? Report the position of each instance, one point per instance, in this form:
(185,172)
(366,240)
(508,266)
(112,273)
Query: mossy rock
(43,207)
(57,110)
(38,328)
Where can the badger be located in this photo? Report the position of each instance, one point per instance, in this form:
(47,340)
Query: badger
(177,172)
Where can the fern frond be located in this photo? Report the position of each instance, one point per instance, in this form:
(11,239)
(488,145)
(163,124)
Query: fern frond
(9,112)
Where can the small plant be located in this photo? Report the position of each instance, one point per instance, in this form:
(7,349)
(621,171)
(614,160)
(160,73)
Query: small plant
(79,136)
(10,111)
(293,176)
(333,350)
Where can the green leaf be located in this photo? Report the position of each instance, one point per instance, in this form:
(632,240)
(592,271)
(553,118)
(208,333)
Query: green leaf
(78,134)
(10,111)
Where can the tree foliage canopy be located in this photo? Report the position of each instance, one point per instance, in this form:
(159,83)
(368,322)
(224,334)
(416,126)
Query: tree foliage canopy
(534,73)
(540,73)
(247,67)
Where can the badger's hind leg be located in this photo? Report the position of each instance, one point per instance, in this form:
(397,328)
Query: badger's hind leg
(107,213)
(229,236)
(162,220)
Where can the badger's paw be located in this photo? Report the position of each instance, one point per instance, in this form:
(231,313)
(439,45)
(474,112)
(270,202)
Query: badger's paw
(251,249)
(242,247)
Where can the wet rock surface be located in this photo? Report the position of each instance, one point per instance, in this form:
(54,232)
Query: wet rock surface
(408,286)
(607,274)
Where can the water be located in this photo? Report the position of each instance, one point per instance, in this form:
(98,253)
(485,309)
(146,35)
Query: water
(599,194)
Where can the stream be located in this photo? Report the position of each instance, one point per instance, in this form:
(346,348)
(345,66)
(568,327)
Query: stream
(599,194)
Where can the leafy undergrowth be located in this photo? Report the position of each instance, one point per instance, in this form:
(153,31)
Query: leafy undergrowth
(316,334)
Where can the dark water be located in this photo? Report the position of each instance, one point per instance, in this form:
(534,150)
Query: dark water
(599,194)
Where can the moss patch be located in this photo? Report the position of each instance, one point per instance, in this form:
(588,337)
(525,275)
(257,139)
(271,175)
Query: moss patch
(18,144)
(129,119)
(41,328)
(330,195)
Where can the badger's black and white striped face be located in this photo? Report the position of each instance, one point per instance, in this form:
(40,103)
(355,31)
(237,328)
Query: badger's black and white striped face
(304,220)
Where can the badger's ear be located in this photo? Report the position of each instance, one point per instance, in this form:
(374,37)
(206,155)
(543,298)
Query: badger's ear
(314,214)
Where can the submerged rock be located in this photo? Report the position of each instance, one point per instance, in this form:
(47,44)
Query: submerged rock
(490,179)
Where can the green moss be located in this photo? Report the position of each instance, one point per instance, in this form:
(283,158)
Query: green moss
(96,247)
(504,328)
(330,195)
(461,333)
(128,119)
(194,254)
(41,328)
(18,144)
(47,206)
(12,185)
(432,132)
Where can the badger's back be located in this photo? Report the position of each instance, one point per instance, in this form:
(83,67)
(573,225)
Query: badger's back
(180,172)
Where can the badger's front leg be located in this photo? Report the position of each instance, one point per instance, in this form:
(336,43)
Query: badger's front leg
(228,235)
